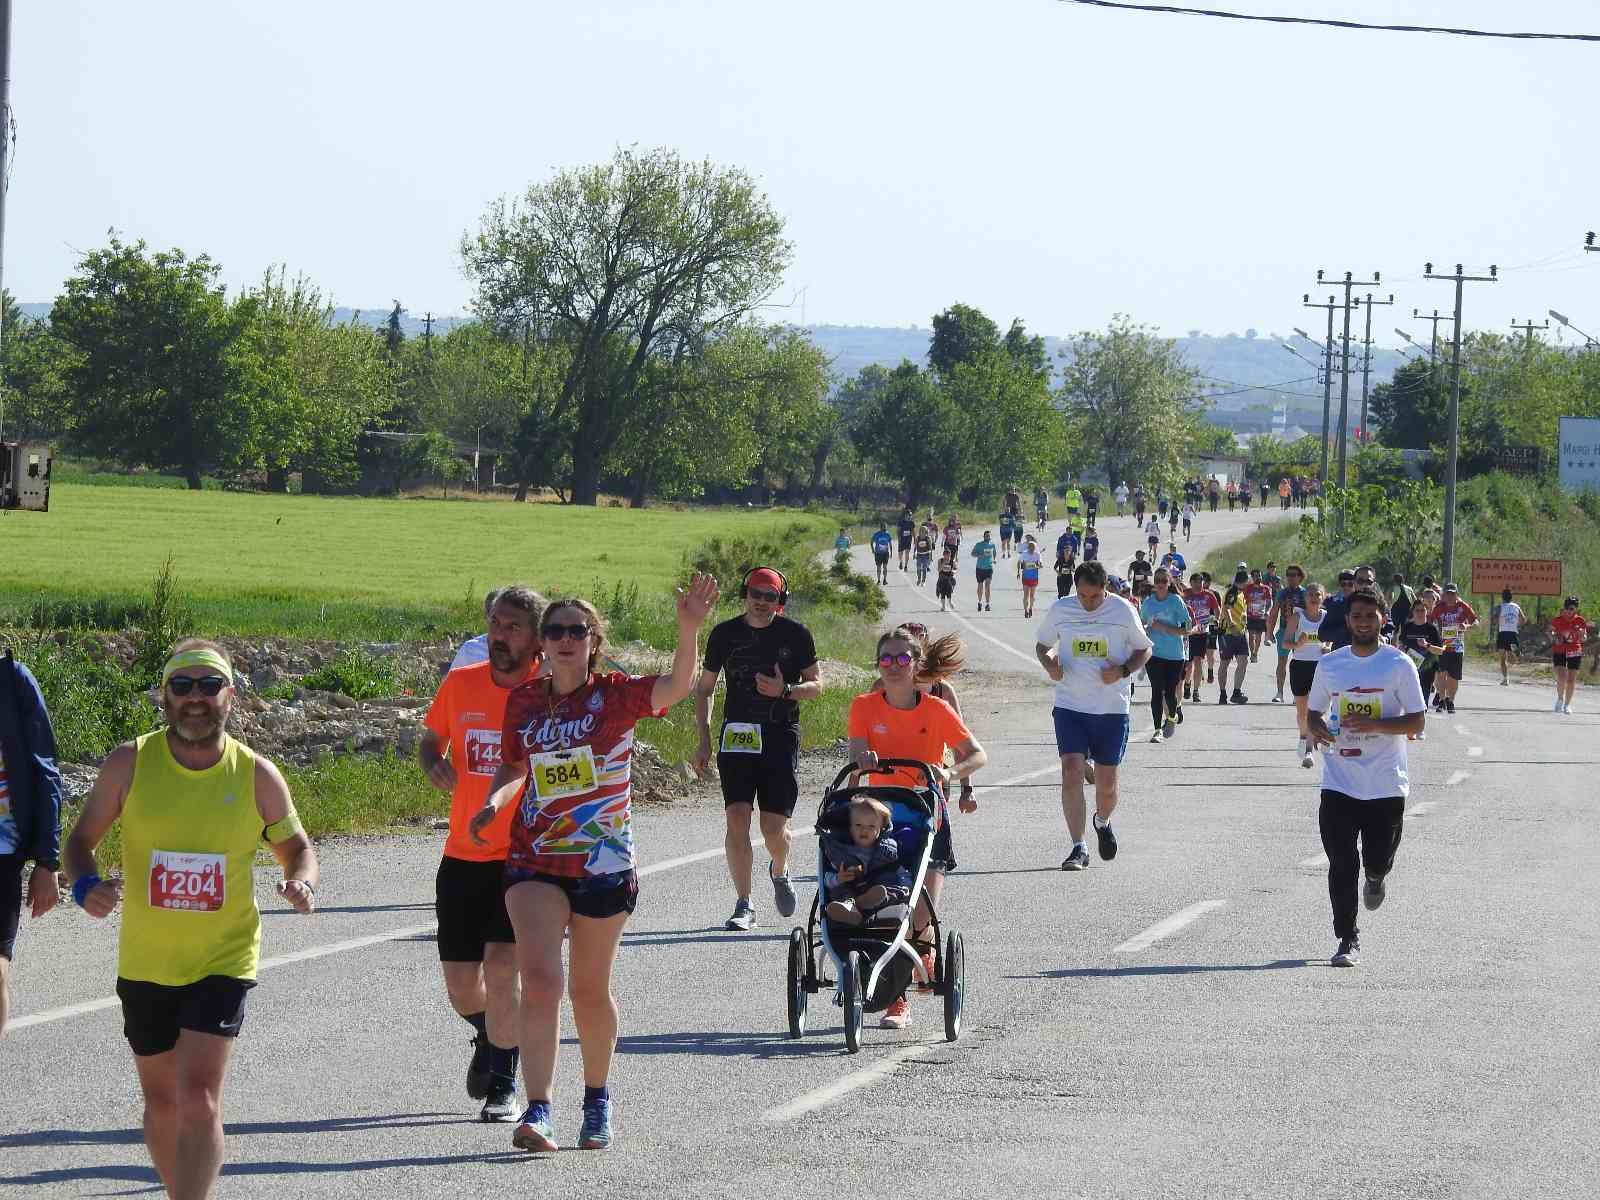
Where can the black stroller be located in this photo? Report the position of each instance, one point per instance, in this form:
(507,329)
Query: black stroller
(873,963)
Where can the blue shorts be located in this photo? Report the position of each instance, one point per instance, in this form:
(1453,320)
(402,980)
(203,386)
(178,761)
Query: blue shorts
(1102,737)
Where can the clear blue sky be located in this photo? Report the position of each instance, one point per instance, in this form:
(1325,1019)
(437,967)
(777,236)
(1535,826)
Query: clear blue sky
(1038,159)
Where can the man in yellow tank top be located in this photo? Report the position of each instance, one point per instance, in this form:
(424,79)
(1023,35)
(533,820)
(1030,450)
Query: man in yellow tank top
(194,805)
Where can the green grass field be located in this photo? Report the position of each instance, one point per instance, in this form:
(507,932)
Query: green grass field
(310,566)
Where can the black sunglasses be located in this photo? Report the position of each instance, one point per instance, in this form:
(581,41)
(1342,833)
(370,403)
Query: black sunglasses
(764,594)
(555,633)
(209,685)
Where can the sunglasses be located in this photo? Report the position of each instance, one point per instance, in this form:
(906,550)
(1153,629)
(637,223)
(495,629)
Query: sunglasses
(555,633)
(209,685)
(903,659)
(763,594)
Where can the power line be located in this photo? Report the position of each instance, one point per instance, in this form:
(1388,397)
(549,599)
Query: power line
(1331,23)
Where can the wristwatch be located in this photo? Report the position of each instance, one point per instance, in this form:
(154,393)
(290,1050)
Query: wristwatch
(787,688)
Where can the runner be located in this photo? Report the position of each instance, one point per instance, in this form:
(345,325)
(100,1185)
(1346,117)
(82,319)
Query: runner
(1202,604)
(1401,601)
(1304,639)
(1290,597)
(30,810)
(906,718)
(190,939)
(1188,519)
(476,649)
(1334,631)
(1028,561)
(1508,618)
(1173,517)
(1139,570)
(907,530)
(952,534)
(1121,497)
(1041,505)
(1233,494)
(770,662)
(1214,492)
(841,547)
(1165,618)
(1013,504)
(1258,595)
(1283,493)
(1421,642)
(1235,646)
(1091,505)
(1372,699)
(1454,616)
(1174,561)
(925,543)
(983,551)
(1005,534)
(1568,632)
(1152,535)
(1091,546)
(460,752)
(566,752)
(1089,644)
(945,586)
(1138,504)
(1074,499)
(1245,489)
(882,543)
(1066,563)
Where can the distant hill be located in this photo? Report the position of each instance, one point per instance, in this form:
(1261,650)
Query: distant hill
(411,323)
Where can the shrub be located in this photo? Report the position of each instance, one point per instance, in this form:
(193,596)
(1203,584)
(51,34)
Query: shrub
(358,675)
(92,706)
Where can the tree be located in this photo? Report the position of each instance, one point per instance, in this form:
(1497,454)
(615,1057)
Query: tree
(616,260)
(1020,435)
(1206,438)
(31,359)
(159,366)
(961,334)
(915,432)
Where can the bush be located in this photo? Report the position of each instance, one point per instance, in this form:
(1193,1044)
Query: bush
(358,675)
(92,705)
(796,552)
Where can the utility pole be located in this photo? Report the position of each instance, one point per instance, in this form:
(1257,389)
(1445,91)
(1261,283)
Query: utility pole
(1455,411)
(1350,283)
(427,335)
(1366,359)
(1528,327)
(1433,344)
(1588,238)
(1327,380)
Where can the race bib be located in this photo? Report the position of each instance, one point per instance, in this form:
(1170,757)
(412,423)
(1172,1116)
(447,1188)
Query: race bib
(1416,656)
(561,773)
(1365,705)
(1257,608)
(1089,647)
(1451,634)
(741,737)
(188,882)
(483,751)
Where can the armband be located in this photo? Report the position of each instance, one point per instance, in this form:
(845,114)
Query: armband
(82,886)
(283,830)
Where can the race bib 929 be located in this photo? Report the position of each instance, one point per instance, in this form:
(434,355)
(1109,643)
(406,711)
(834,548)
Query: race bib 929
(1361,706)
(188,882)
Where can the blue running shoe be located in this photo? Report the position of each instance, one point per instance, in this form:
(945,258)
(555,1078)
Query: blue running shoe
(534,1131)
(596,1132)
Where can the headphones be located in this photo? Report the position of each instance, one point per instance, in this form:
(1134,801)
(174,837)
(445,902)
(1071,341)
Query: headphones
(783,589)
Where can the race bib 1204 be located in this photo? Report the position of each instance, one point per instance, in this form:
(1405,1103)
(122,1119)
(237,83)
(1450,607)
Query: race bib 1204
(561,773)
(741,737)
(188,882)
(1088,647)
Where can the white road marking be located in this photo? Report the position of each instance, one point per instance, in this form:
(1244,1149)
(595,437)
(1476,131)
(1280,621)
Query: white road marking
(1012,650)
(1474,751)
(1316,860)
(1168,927)
(842,1087)
(1457,777)
(1416,810)
(1053,769)
(1461,729)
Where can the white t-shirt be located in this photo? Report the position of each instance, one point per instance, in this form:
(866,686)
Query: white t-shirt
(1087,643)
(472,652)
(1510,617)
(1311,651)
(1122,495)
(1367,766)
(1027,557)
(1152,529)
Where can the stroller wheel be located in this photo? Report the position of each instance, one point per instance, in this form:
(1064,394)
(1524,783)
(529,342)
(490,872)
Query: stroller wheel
(799,969)
(955,984)
(853,1000)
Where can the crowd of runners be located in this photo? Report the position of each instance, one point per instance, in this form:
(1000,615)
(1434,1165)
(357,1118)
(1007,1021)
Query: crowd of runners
(532,736)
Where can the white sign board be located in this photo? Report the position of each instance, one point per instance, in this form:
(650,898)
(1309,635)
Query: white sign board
(1579,446)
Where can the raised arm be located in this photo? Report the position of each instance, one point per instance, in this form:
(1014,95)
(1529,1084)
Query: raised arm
(694,605)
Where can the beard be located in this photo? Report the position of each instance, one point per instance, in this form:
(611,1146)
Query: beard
(1364,640)
(196,727)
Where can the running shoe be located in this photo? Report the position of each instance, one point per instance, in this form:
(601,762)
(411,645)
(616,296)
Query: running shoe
(1186,695)
(501,1104)
(1567,708)
(1222,697)
(1559,707)
(1278,699)
(1088,771)
(744,916)
(1078,860)
(783,897)
(1238,697)
(1505,683)
(1169,729)
(1194,698)
(1210,675)
(1450,707)
(534,1131)
(1108,841)
(478,1068)
(897,1015)
(1307,758)
(1348,954)
(1372,895)
(596,1131)
(927,967)
(1155,738)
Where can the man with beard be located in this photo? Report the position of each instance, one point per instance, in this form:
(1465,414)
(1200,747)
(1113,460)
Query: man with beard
(194,806)
(460,752)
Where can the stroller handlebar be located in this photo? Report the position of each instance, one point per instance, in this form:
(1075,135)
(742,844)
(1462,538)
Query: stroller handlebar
(886,766)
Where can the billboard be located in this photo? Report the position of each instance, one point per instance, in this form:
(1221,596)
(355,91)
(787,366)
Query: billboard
(1524,576)
(1579,443)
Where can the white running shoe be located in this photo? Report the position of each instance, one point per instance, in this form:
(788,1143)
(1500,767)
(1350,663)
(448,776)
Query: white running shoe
(1155,737)
(1567,708)
(1559,707)
(1307,758)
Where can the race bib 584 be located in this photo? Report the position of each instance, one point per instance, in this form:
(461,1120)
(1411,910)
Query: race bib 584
(562,773)
(188,882)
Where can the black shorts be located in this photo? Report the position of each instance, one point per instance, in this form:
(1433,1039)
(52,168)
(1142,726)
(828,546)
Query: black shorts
(1570,661)
(1507,640)
(1005,535)
(1197,646)
(1256,624)
(1450,662)
(1235,645)
(943,857)
(768,780)
(1213,639)
(595,896)
(905,542)
(10,902)
(880,557)
(153,1013)
(469,900)
(1301,673)
(985,574)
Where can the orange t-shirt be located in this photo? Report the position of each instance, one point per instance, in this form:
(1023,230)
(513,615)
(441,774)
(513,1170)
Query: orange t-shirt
(922,733)
(468,712)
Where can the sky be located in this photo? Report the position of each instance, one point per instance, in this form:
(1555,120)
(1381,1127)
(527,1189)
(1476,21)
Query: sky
(1038,159)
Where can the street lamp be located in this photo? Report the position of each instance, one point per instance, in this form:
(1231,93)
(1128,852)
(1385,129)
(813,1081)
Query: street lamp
(1588,341)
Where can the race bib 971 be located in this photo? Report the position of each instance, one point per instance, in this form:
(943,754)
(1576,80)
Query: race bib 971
(562,773)
(741,737)
(188,882)
(1089,647)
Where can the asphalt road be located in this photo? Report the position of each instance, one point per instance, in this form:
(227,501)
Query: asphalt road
(1164,1025)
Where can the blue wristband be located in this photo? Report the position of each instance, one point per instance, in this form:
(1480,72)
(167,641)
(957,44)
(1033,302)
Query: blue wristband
(82,886)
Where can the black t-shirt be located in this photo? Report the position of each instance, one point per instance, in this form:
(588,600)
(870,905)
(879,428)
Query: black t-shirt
(1138,569)
(743,653)
(1413,636)
(908,526)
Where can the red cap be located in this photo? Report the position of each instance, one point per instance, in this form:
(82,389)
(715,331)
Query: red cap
(765,577)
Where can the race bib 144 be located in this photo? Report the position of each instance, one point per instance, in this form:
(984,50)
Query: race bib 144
(188,882)
(483,751)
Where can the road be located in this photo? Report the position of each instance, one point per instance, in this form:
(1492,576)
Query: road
(1165,1025)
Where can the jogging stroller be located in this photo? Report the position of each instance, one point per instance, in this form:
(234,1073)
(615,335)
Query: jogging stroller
(873,963)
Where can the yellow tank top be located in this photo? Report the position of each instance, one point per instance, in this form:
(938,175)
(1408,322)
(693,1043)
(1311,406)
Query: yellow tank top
(188,845)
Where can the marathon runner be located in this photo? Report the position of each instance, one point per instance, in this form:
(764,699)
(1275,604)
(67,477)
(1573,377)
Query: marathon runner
(1244,494)
(1138,504)
(1266,489)
(1006,530)
(1258,596)
(945,586)
(1121,496)
(1454,616)
(1152,534)
(1203,605)
(1165,618)
(1013,503)
(1283,493)
(1568,632)
(566,760)
(1288,598)
(1334,632)
(1364,699)
(924,546)
(770,662)
(1174,561)
(190,940)
(1420,641)
(1028,563)
(1235,646)
(841,547)
(459,753)
(882,544)
(1041,505)
(907,530)
(952,534)
(1074,499)
(1188,520)
(983,551)
(1091,505)
(1091,546)
(1508,618)
(1173,516)
(30,810)
(1139,570)
(1089,644)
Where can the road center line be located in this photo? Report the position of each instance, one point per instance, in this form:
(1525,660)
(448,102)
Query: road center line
(1168,927)
(1316,860)
(1461,729)
(1474,751)
(1416,810)
(842,1087)
(1457,777)
(1012,650)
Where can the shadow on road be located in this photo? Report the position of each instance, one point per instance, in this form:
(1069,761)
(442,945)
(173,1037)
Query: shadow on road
(711,933)
(752,1045)
(352,908)
(135,1137)
(1282,964)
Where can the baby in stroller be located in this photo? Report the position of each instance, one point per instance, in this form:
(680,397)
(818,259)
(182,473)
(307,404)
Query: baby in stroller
(864,873)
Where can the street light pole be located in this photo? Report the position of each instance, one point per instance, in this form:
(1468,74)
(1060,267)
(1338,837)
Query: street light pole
(1327,380)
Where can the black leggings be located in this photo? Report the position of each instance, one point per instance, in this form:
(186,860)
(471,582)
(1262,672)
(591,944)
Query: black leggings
(1164,674)
(1343,819)
(1426,677)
